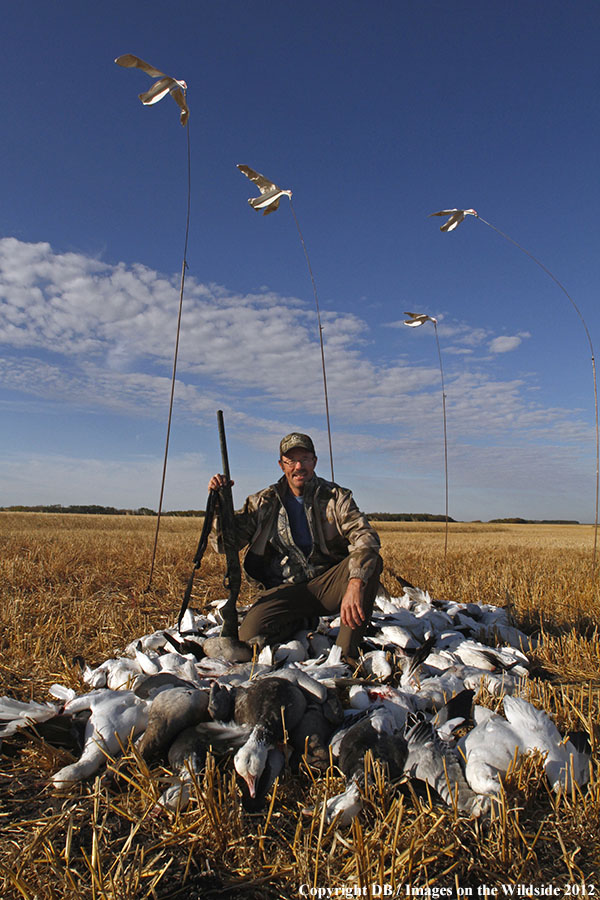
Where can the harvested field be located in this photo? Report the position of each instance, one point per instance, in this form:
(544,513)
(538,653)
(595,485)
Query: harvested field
(76,585)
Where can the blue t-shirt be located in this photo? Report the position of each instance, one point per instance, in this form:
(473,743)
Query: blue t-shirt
(298,522)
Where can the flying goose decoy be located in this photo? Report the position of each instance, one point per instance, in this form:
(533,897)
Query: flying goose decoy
(270,193)
(417,319)
(456,217)
(165,84)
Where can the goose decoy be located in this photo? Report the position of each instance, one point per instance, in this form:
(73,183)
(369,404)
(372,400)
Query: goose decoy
(417,319)
(165,84)
(270,193)
(456,217)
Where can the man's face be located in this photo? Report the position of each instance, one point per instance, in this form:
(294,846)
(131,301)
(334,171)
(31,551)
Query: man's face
(298,466)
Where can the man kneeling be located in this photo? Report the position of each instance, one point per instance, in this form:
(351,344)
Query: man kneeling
(311,552)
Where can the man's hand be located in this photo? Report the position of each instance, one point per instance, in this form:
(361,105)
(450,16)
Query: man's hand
(216,482)
(351,608)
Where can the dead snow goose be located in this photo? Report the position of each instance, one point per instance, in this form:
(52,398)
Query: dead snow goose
(537,731)
(266,705)
(488,750)
(431,760)
(115,715)
(170,713)
(376,733)
(16,714)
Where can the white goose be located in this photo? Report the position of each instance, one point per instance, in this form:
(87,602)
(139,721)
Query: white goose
(115,716)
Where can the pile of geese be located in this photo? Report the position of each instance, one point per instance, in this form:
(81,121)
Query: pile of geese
(182,692)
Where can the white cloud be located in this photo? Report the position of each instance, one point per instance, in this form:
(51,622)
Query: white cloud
(88,335)
(505,343)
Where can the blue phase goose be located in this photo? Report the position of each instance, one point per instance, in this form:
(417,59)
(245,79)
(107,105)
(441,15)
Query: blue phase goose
(265,705)
(171,712)
(431,760)
(375,732)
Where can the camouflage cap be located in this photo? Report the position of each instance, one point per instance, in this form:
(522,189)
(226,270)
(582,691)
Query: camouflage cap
(296,440)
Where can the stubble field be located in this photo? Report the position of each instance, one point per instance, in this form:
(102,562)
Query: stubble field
(78,585)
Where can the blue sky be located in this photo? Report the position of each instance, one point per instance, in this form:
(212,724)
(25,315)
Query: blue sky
(375,114)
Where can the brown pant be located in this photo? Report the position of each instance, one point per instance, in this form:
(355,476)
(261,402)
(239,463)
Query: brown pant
(283,610)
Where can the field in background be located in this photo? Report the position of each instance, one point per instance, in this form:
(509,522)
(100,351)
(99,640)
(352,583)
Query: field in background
(74,584)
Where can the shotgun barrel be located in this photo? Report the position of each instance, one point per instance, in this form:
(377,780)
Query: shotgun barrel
(233,575)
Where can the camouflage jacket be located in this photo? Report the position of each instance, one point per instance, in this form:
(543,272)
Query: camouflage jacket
(337,526)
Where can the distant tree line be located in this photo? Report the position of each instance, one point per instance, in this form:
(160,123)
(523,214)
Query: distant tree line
(94,509)
(407,517)
(517,521)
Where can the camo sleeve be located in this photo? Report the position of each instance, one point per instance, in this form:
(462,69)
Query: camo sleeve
(363,541)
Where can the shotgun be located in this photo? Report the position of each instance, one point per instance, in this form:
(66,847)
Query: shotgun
(222,501)
(233,575)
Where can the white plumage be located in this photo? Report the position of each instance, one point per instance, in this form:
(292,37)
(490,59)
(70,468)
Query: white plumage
(165,84)
(441,649)
(456,216)
(270,193)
